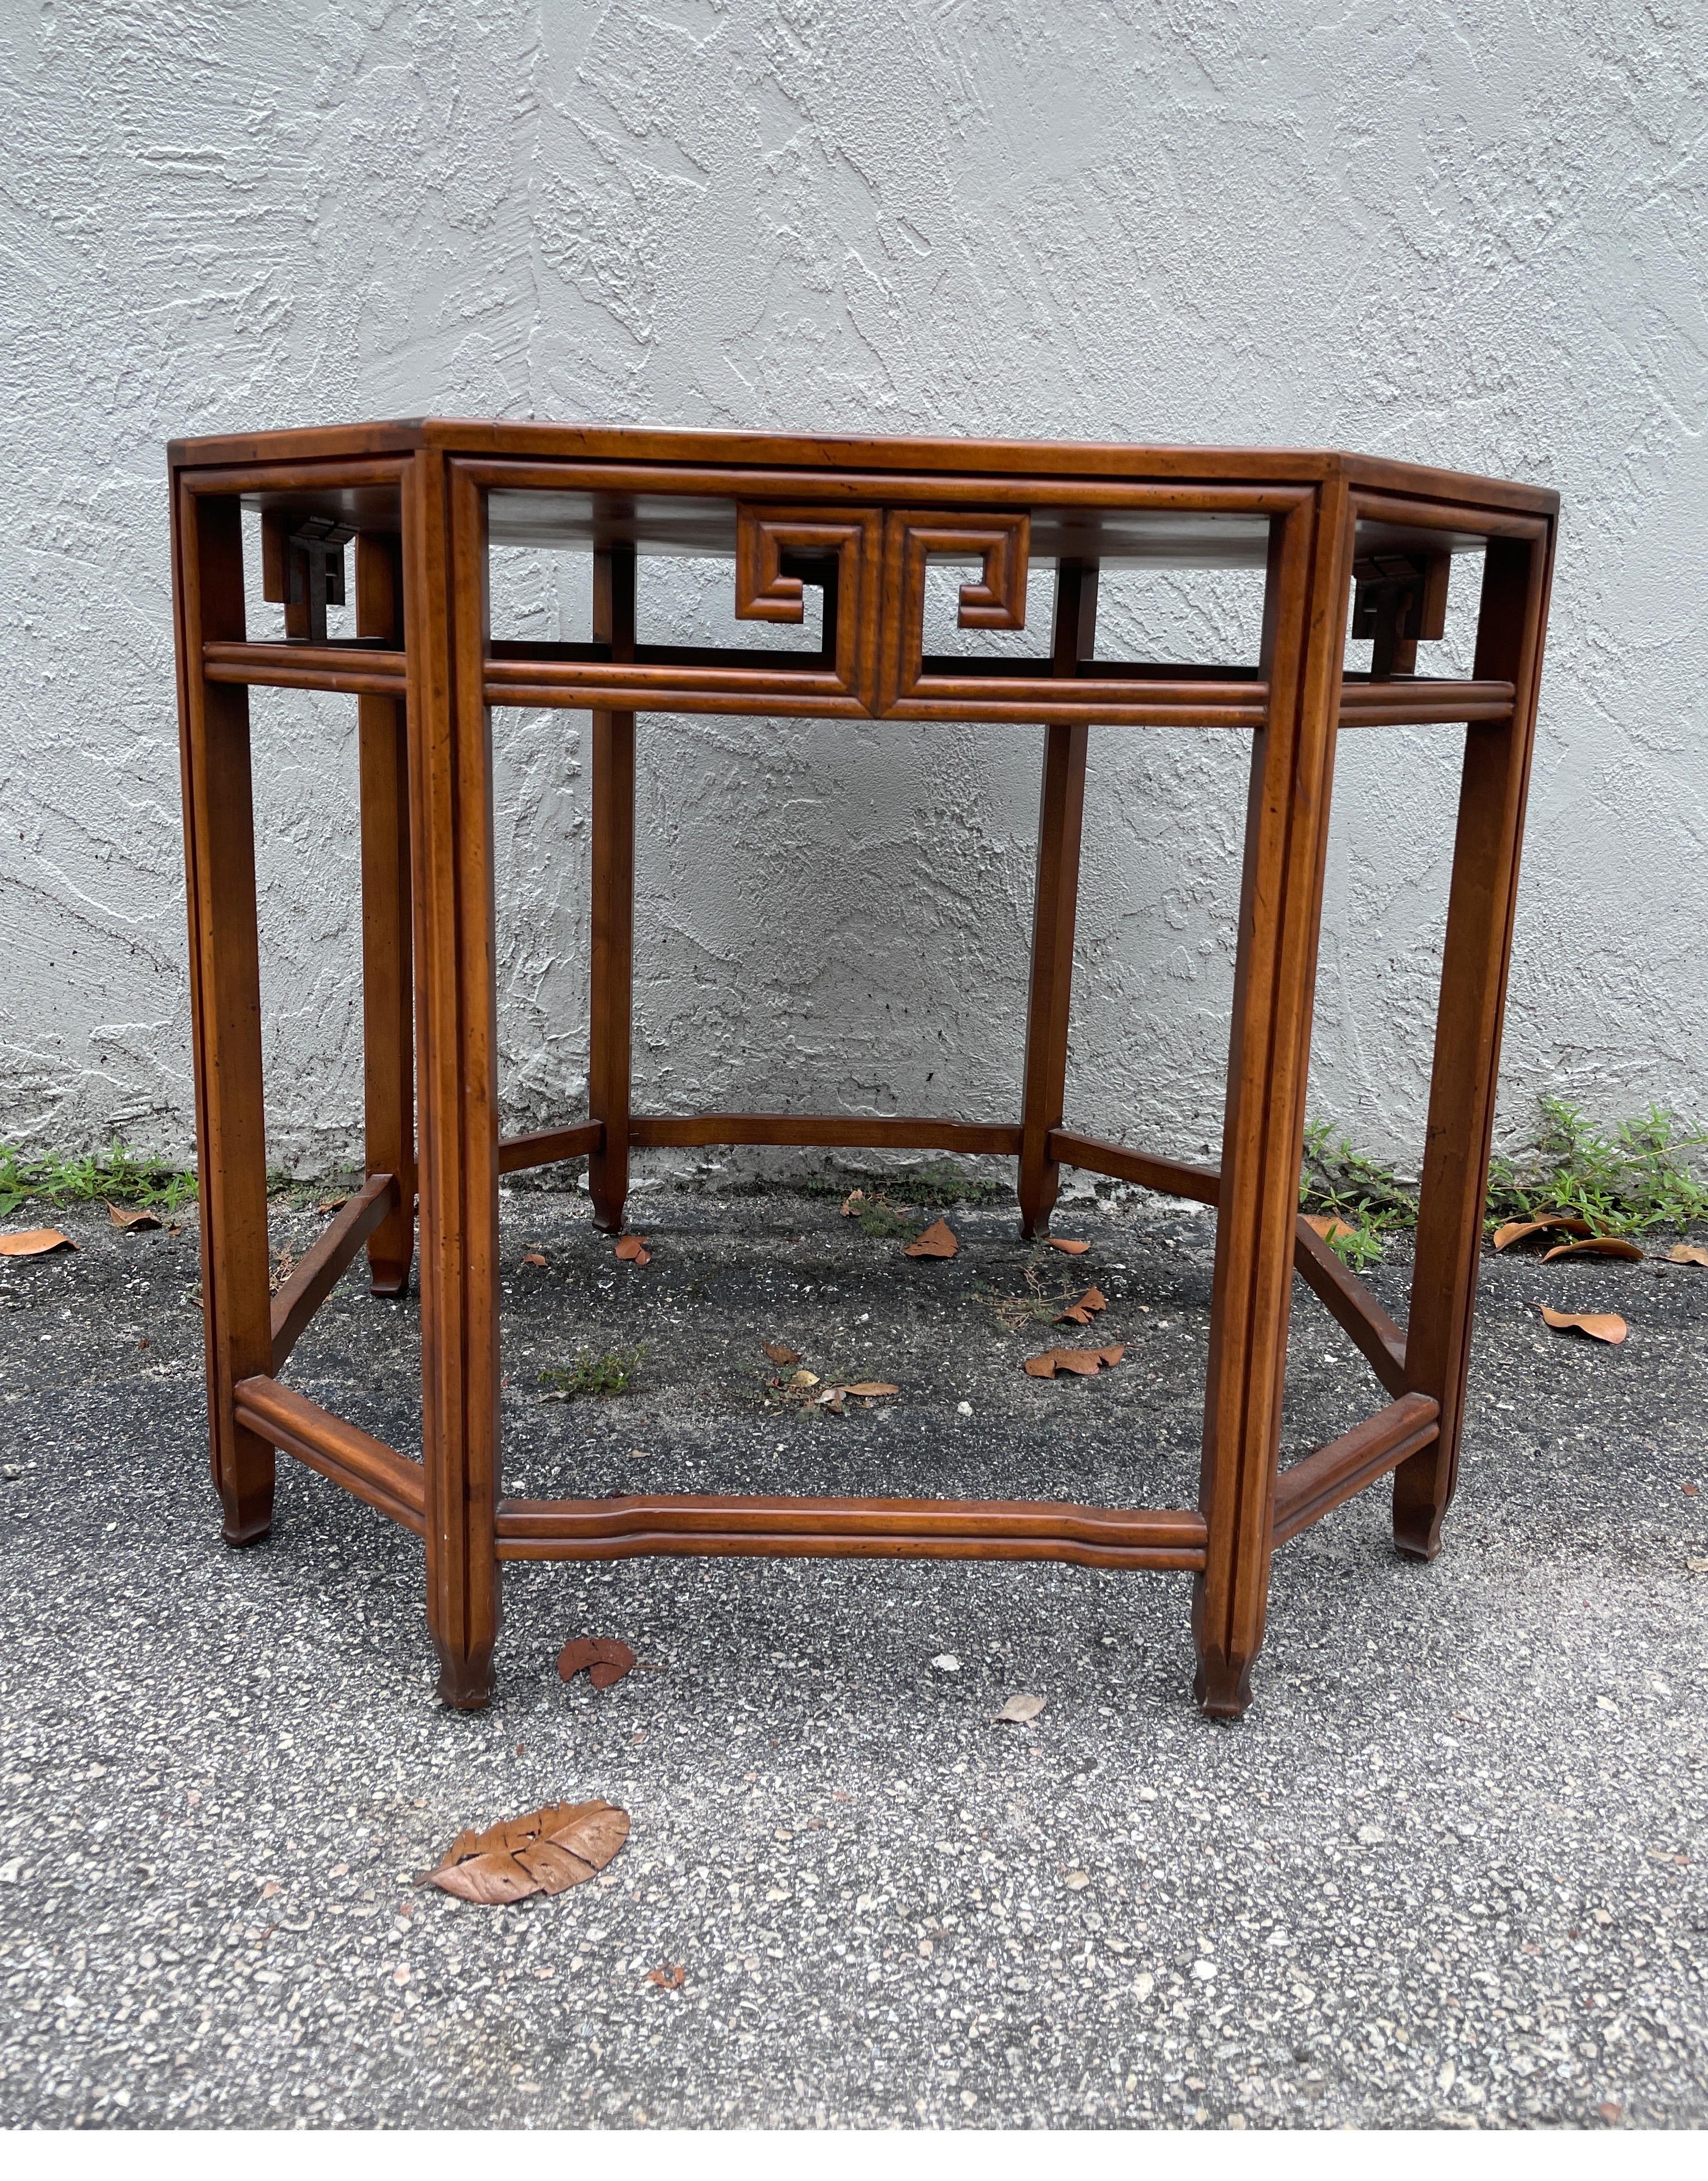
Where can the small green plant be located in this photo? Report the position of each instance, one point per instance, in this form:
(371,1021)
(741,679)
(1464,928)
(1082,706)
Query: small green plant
(615,1371)
(1636,1178)
(1369,1201)
(882,1222)
(124,1176)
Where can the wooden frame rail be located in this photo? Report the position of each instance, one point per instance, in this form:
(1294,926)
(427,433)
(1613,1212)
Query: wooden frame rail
(1339,541)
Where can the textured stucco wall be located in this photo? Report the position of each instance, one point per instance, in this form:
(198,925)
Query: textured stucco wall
(1473,233)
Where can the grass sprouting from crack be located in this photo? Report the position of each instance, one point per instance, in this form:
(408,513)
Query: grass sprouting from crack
(124,1176)
(1369,1200)
(1636,1177)
(615,1371)
(1628,1179)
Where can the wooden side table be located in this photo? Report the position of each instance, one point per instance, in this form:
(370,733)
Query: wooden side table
(858,520)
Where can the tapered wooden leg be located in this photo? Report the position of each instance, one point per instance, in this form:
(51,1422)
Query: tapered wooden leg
(610,1014)
(1061,807)
(450,787)
(225,997)
(387,996)
(1480,904)
(1281,900)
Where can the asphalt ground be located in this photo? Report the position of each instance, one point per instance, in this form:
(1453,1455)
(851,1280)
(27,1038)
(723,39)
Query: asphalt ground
(1448,1871)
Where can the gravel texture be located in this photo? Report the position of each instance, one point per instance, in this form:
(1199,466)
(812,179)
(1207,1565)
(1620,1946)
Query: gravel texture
(1448,1870)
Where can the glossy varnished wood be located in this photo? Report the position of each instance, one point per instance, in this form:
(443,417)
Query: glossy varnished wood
(858,520)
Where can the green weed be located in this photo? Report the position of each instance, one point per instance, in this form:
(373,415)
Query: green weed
(1369,1200)
(615,1371)
(1635,1178)
(124,1176)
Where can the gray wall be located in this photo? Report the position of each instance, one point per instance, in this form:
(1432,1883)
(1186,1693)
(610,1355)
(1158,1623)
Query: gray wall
(1471,234)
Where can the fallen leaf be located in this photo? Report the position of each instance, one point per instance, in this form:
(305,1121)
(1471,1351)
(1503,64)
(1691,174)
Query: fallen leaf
(1519,1230)
(781,1355)
(332,1204)
(631,1250)
(604,1659)
(1686,1253)
(1080,1362)
(937,1241)
(668,1976)
(1597,1245)
(804,1378)
(36,1243)
(852,1201)
(1690,1491)
(533,1257)
(1020,1710)
(1328,1227)
(1081,1312)
(1607,1326)
(873,1390)
(831,1398)
(1068,1248)
(130,1217)
(549,1850)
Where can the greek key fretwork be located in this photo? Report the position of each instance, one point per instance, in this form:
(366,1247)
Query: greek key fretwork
(997,600)
(779,550)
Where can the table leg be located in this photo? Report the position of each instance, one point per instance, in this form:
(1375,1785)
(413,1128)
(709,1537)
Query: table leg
(225,997)
(388,1002)
(456,1007)
(1479,946)
(610,1022)
(1280,902)
(1062,807)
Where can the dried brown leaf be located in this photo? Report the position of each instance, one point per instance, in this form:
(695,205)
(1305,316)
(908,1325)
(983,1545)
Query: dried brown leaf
(873,1390)
(533,1257)
(668,1976)
(852,1201)
(1082,1312)
(1327,1226)
(631,1250)
(35,1242)
(831,1398)
(549,1850)
(1603,1327)
(1077,1362)
(332,1204)
(1686,1253)
(804,1378)
(939,1240)
(130,1218)
(1520,1230)
(1020,1710)
(781,1354)
(604,1659)
(1068,1248)
(1598,1245)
